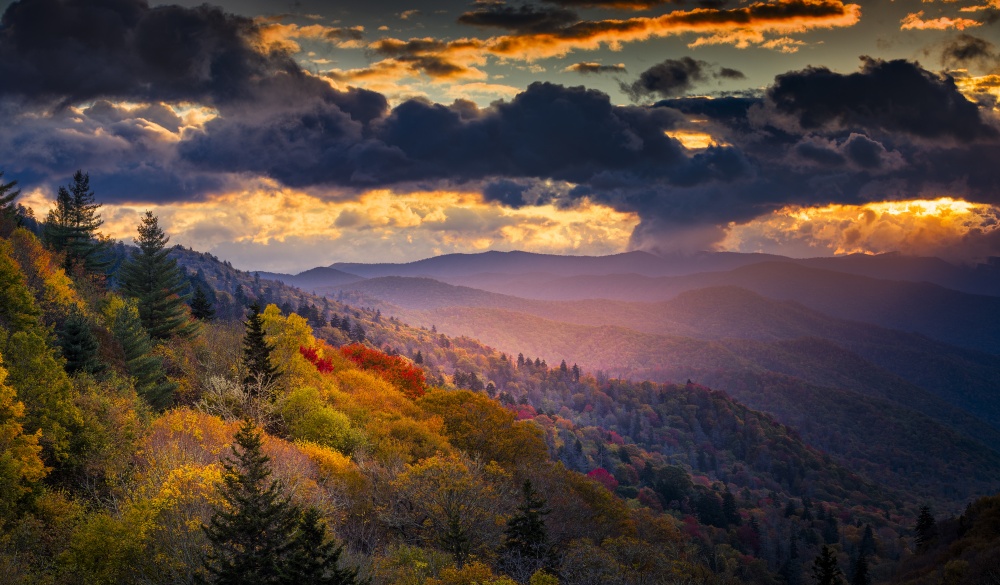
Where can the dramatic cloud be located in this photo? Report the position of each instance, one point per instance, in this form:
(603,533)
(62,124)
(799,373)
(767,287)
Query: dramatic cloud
(587,67)
(957,230)
(895,96)
(674,77)
(915,21)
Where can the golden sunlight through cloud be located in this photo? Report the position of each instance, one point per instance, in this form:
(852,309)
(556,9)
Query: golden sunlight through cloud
(270,227)
(940,227)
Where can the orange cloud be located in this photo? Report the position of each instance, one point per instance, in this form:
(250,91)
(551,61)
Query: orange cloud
(941,227)
(751,24)
(915,21)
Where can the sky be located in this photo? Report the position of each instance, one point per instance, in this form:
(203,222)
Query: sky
(287,135)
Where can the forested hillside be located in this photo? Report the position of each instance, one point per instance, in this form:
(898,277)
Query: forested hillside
(159,408)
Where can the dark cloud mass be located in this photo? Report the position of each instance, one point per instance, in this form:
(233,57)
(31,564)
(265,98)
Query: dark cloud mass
(890,130)
(894,96)
(674,77)
(966,50)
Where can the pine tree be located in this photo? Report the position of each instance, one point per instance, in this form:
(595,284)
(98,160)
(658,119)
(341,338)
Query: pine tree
(926,528)
(7,195)
(526,541)
(151,382)
(861,575)
(314,557)
(156,283)
(252,533)
(260,372)
(825,569)
(729,508)
(419,358)
(201,306)
(455,540)
(79,346)
(71,227)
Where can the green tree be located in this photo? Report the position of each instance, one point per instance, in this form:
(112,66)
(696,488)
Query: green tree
(201,306)
(314,556)
(79,346)
(455,539)
(151,383)
(155,281)
(7,195)
(71,227)
(20,463)
(825,569)
(260,372)
(526,540)
(926,528)
(861,575)
(252,533)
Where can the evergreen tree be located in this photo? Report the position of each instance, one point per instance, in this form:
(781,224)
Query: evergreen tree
(260,372)
(314,557)
(526,541)
(71,227)
(156,283)
(7,195)
(79,346)
(861,576)
(151,382)
(419,358)
(201,306)
(252,533)
(825,569)
(926,528)
(455,540)
(729,508)
(867,546)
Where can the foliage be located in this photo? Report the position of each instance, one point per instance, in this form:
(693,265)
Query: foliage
(7,195)
(155,281)
(825,569)
(395,369)
(20,462)
(79,346)
(201,306)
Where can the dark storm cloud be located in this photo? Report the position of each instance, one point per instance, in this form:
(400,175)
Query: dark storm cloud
(520,19)
(892,129)
(892,96)
(674,77)
(587,68)
(615,4)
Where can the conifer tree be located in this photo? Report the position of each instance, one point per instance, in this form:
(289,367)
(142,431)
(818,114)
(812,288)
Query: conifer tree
(201,306)
(151,382)
(314,557)
(730,509)
(926,528)
(455,540)
(260,372)
(79,346)
(7,195)
(861,575)
(825,569)
(526,542)
(251,535)
(71,227)
(156,283)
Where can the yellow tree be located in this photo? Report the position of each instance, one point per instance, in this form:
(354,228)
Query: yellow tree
(20,460)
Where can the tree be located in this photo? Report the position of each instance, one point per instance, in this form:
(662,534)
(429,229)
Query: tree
(79,346)
(861,575)
(20,464)
(825,569)
(526,540)
(260,372)
(71,227)
(314,557)
(252,533)
(730,509)
(151,383)
(156,283)
(7,195)
(926,528)
(201,306)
